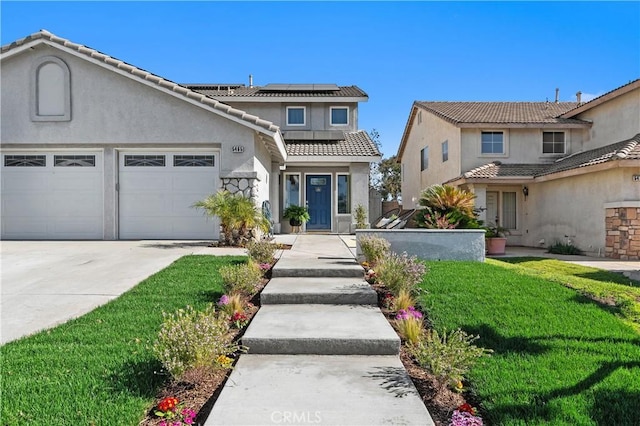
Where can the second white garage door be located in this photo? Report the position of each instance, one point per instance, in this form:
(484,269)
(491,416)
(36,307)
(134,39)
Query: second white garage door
(157,190)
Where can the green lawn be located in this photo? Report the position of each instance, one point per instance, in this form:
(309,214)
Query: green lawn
(560,358)
(99,369)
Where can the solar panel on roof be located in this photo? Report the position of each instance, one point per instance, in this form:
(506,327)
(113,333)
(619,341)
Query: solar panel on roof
(276,87)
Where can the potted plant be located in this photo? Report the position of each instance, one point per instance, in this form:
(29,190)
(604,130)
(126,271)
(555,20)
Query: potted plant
(495,239)
(297,215)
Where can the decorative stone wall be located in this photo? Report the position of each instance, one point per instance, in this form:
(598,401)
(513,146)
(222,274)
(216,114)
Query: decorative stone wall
(623,233)
(246,186)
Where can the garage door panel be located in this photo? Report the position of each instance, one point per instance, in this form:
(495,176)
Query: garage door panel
(155,202)
(53,202)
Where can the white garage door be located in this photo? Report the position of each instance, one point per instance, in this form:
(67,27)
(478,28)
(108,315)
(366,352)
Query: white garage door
(52,195)
(157,190)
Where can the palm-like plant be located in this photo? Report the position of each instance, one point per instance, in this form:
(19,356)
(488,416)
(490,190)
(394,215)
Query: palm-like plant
(445,201)
(238,216)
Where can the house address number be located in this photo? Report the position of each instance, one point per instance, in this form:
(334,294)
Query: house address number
(237,149)
(636,178)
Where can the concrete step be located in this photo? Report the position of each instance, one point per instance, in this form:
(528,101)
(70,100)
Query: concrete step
(332,291)
(320,266)
(312,389)
(321,330)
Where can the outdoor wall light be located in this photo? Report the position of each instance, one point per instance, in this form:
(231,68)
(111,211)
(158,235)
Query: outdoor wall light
(525,191)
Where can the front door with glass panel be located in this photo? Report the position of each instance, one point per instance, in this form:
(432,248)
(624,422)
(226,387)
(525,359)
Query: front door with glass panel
(318,191)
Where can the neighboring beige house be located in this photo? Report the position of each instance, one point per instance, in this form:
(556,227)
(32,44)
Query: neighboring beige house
(95,148)
(548,171)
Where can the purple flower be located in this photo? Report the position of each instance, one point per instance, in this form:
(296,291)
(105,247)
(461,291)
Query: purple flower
(402,315)
(463,418)
(224,300)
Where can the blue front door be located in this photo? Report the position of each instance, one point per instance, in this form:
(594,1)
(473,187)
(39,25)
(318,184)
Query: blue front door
(318,190)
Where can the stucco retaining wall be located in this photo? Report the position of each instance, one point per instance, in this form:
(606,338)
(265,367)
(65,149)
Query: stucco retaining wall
(431,244)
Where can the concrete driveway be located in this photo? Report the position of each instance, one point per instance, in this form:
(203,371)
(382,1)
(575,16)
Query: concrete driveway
(45,283)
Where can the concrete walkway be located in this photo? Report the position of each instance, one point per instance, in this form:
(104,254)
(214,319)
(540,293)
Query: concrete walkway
(320,350)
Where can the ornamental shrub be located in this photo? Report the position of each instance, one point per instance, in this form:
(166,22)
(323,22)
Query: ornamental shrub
(374,248)
(409,325)
(400,272)
(241,278)
(403,300)
(190,339)
(448,356)
(261,251)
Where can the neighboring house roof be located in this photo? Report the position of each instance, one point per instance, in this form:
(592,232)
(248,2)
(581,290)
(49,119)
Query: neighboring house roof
(500,112)
(274,141)
(624,150)
(354,144)
(580,108)
(289,91)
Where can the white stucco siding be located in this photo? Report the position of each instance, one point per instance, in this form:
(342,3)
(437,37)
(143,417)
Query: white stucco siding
(262,166)
(613,121)
(107,107)
(548,216)
(428,130)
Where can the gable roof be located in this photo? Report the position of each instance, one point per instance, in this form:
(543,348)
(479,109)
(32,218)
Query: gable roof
(580,108)
(354,144)
(270,133)
(625,150)
(270,92)
(460,113)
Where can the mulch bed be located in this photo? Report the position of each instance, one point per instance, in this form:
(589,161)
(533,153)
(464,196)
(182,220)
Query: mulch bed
(199,389)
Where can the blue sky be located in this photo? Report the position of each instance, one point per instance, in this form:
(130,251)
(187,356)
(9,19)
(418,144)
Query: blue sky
(397,52)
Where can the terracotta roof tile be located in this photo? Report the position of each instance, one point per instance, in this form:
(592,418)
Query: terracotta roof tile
(625,150)
(500,112)
(354,144)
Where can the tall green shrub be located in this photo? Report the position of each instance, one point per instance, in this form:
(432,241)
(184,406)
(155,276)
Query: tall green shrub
(374,248)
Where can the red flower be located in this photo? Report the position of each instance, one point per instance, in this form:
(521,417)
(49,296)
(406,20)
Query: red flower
(468,408)
(168,404)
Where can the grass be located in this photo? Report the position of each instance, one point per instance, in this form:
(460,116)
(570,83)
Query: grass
(610,288)
(559,357)
(99,369)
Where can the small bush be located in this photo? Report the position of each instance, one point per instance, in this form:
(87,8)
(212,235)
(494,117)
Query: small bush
(374,248)
(564,248)
(404,300)
(241,278)
(261,251)
(231,304)
(400,272)
(409,325)
(448,357)
(360,216)
(190,339)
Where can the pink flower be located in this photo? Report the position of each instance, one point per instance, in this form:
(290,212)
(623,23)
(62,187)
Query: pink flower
(224,300)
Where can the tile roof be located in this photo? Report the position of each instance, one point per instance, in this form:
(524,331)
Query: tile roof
(501,112)
(140,73)
(237,91)
(354,144)
(602,98)
(625,150)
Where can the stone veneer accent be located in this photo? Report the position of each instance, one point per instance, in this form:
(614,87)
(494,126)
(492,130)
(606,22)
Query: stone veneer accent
(623,233)
(246,186)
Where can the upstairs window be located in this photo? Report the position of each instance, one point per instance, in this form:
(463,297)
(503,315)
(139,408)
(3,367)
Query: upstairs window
(50,90)
(492,143)
(553,143)
(339,116)
(445,151)
(424,158)
(296,116)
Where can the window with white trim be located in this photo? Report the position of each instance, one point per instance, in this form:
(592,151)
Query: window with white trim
(339,116)
(296,116)
(424,158)
(492,143)
(344,194)
(291,189)
(509,213)
(553,143)
(25,160)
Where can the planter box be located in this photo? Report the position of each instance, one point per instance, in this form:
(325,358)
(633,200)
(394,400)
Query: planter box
(432,244)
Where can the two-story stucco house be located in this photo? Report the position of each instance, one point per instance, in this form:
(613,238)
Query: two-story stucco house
(95,148)
(548,171)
